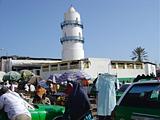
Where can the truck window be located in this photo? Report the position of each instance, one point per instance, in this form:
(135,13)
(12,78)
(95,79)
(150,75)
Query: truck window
(143,95)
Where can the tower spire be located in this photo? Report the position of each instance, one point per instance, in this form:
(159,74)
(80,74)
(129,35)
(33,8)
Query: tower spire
(72,38)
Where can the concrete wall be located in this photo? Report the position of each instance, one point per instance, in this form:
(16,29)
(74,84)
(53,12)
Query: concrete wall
(150,68)
(127,73)
(98,65)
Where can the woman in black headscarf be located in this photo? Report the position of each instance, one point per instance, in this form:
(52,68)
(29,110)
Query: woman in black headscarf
(77,104)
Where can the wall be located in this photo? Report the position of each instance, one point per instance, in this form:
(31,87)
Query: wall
(98,65)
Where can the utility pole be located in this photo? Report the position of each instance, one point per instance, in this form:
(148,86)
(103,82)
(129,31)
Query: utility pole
(4,66)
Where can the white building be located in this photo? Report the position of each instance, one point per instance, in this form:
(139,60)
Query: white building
(124,70)
(128,70)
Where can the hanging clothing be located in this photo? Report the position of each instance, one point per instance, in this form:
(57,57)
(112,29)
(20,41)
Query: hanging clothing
(106,101)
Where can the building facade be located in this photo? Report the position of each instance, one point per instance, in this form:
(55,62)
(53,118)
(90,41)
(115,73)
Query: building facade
(17,63)
(124,70)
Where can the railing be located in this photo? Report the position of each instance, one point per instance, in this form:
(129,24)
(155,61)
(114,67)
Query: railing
(71,22)
(70,38)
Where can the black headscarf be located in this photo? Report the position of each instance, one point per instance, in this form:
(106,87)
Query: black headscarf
(77,104)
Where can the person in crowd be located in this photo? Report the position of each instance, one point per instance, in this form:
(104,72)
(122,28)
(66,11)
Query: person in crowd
(52,86)
(51,91)
(39,93)
(13,105)
(77,105)
(85,84)
(32,90)
(14,86)
(45,100)
(7,84)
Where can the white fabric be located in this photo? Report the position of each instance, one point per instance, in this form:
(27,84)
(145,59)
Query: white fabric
(7,84)
(1,75)
(13,87)
(13,105)
(106,100)
(32,88)
(26,87)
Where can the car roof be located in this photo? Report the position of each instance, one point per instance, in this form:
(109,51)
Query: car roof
(147,81)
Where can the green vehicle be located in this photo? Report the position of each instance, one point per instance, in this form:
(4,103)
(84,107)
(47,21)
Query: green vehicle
(121,90)
(141,101)
(40,112)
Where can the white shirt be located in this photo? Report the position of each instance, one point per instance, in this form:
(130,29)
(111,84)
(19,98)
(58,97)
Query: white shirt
(13,105)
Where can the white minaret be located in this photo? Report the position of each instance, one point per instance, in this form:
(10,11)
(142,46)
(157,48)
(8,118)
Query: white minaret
(72,38)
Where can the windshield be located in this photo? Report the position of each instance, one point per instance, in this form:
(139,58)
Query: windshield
(143,95)
(123,87)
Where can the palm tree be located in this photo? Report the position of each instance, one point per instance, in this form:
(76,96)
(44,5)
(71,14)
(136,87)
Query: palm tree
(139,54)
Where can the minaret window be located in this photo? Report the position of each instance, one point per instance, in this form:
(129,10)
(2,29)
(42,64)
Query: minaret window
(76,19)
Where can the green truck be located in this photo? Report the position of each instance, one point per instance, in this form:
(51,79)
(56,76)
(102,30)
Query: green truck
(141,101)
(40,112)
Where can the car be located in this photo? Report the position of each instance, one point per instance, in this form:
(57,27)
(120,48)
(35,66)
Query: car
(121,90)
(140,101)
(40,111)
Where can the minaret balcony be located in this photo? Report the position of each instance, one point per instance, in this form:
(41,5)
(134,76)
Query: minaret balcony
(71,22)
(72,38)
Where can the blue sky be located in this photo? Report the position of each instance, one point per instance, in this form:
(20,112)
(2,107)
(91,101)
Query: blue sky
(112,28)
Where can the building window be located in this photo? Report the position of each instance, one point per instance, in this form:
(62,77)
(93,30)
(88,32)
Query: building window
(74,65)
(113,65)
(121,65)
(54,67)
(64,66)
(87,64)
(130,66)
(139,66)
(45,68)
(37,72)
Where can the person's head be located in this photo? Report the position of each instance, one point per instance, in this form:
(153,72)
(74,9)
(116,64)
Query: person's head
(69,88)
(73,87)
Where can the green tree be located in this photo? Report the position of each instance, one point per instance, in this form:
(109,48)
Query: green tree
(139,54)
